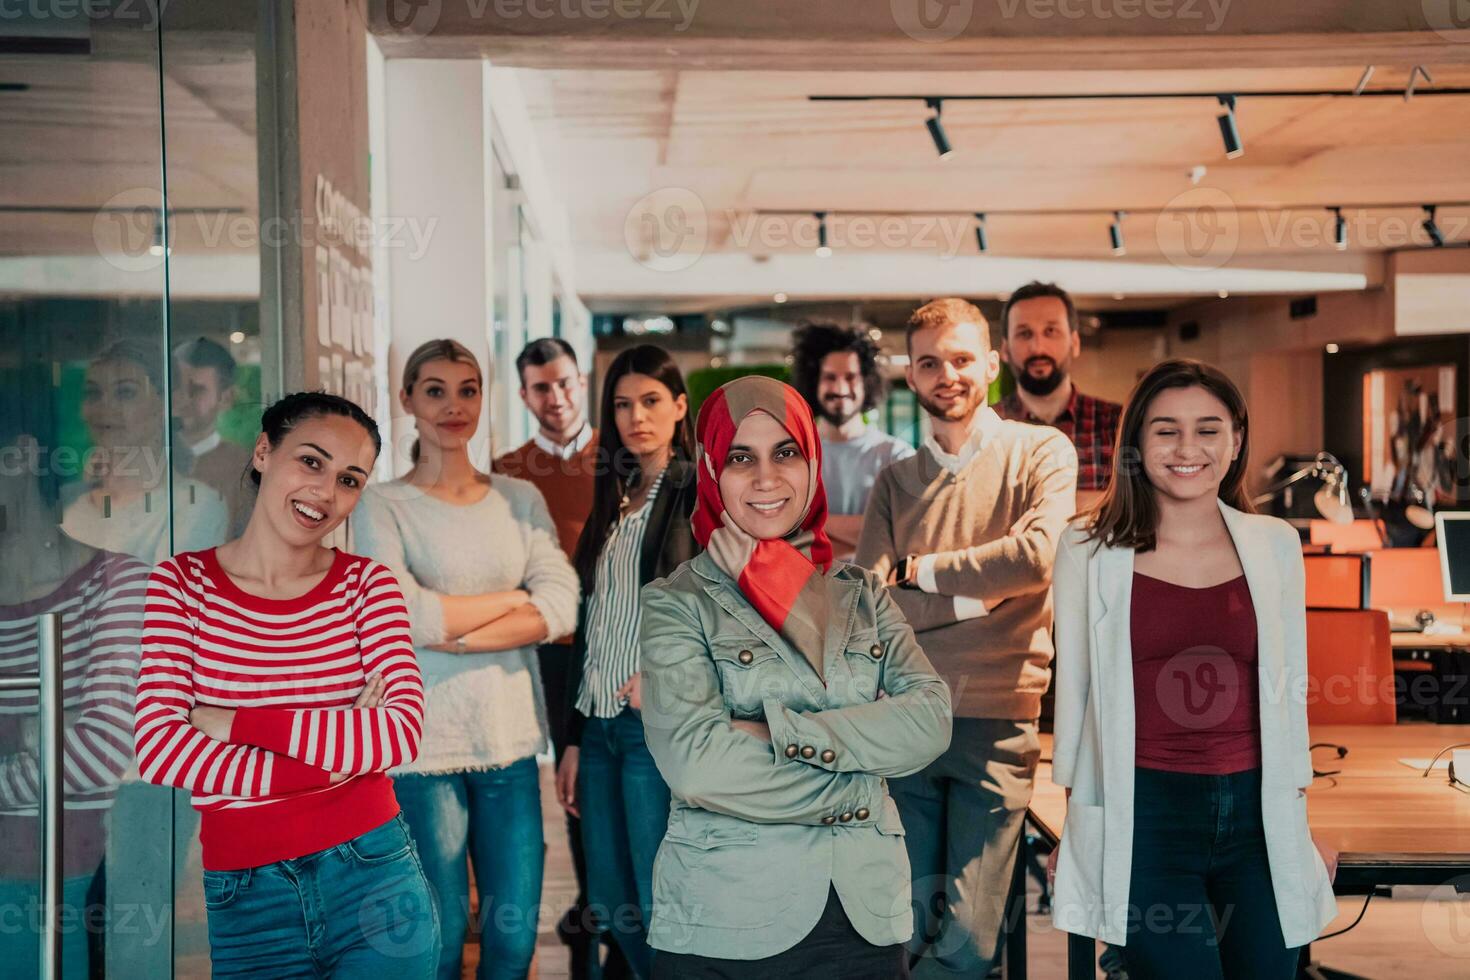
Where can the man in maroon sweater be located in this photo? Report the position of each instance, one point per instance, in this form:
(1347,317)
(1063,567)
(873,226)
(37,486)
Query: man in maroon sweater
(560,460)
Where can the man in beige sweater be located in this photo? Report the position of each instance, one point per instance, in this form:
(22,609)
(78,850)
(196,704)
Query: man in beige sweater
(966,532)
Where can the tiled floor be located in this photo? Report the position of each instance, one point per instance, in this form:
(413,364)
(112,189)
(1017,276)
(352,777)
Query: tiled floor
(1414,935)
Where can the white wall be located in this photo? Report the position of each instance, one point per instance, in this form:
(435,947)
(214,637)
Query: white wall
(436,125)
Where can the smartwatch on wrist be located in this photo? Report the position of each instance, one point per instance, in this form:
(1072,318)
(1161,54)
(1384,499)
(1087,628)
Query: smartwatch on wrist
(905,569)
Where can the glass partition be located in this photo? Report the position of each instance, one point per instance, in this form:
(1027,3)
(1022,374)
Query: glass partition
(217,365)
(86,479)
(130,390)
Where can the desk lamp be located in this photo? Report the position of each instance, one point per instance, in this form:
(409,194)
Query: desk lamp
(1331,500)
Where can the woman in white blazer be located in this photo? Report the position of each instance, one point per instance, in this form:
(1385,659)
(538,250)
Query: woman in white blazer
(1181,725)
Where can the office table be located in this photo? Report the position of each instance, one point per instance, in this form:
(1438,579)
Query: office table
(1390,825)
(1410,640)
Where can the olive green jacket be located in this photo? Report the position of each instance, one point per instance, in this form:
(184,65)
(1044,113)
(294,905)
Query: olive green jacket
(759,830)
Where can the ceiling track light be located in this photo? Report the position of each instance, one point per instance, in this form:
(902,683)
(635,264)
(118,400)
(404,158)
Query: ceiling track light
(1228,131)
(1115,234)
(1419,71)
(1360,91)
(936,129)
(1431,228)
(823,249)
(982,241)
(160,245)
(1339,229)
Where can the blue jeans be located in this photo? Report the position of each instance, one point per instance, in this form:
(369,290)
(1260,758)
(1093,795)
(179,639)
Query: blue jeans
(493,818)
(625,811)
(358,910)
(1200,901)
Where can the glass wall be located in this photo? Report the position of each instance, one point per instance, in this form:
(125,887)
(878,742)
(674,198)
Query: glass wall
(130,389)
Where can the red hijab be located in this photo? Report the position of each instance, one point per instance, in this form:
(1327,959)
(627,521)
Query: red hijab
(784,579)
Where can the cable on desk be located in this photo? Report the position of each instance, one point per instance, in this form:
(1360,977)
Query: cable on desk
(1341,754)
(1361,912)
(1440,755)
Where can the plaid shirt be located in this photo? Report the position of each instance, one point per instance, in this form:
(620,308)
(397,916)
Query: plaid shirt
(1091,424)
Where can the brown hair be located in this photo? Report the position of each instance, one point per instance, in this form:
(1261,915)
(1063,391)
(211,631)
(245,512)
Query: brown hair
(436,350)
(618,471)
(946,313)
(1127,514)
(1038,290)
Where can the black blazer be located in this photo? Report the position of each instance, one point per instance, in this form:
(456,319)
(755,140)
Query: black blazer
(668,542)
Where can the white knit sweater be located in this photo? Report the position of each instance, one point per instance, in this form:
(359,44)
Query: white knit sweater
(484,710)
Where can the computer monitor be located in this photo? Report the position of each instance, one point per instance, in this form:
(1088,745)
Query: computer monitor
(1453,533)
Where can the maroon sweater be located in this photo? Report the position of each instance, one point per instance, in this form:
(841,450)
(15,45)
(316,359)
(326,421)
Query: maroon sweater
(1196,695)
(565,483)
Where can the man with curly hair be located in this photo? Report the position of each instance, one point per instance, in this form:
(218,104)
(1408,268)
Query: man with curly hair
(835,368)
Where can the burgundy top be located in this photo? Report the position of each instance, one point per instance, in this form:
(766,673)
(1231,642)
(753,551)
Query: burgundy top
(1195,692)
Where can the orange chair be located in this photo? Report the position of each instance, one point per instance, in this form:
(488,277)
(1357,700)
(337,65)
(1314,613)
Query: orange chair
(1406,578)
(1350,668)
(1356,536)
(1336,581)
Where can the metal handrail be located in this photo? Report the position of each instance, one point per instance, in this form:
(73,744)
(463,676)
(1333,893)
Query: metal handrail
(48,683)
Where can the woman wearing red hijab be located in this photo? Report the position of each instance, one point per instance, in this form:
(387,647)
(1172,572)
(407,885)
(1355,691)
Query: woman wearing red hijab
(781,689)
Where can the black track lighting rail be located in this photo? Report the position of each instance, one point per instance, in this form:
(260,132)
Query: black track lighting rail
(1106,96)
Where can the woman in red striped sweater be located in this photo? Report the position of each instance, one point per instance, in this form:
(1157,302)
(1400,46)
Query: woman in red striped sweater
(279,685)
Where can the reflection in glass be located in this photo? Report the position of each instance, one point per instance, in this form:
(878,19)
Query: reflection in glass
(99,595)
(123,503)
(204,390)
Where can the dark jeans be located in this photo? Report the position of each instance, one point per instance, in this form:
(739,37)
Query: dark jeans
(493,816)
(833,950)
(1200,903)
(963,815)
(555,661)
(625,811)
(360,910)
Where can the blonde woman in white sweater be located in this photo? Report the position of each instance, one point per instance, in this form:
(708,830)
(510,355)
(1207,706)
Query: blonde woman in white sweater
(485,582)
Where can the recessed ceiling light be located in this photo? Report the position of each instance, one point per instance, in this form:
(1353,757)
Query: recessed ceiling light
(779,297)
(1332,348)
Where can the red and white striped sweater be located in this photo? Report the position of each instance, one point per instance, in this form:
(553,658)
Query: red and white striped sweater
(101,607)
(291,669)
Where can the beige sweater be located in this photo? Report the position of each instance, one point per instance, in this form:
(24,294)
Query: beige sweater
(994,527)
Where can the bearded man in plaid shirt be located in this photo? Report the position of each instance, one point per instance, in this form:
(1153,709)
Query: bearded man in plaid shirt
(1041,339)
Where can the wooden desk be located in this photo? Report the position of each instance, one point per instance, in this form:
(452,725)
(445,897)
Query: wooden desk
(1429,641)
(1391,825)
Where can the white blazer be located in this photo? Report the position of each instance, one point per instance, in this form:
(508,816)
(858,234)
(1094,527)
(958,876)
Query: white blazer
(1093,751)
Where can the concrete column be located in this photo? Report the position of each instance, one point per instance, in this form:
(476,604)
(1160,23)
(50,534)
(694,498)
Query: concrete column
(436,176)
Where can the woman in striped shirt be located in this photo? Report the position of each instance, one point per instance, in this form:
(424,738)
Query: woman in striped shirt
(278,684)
(638,531)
